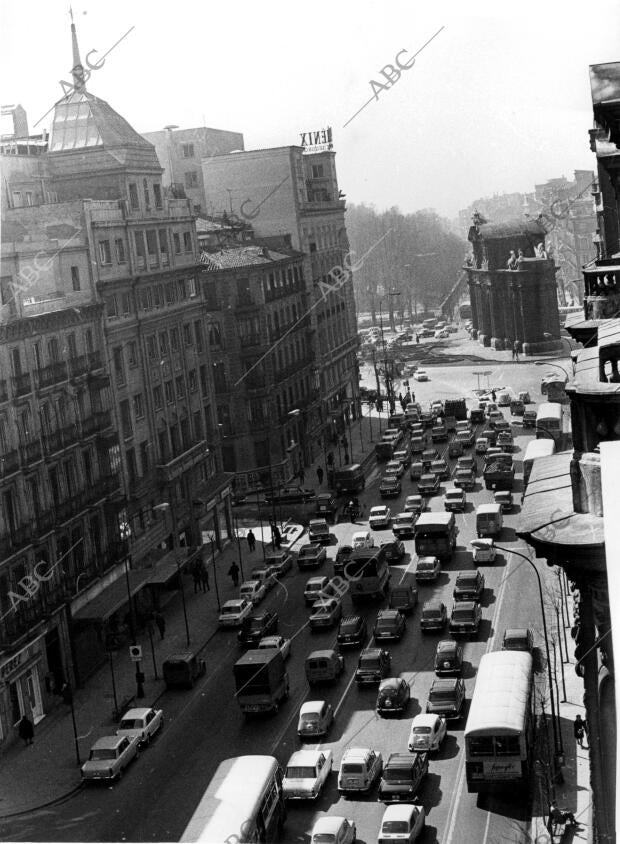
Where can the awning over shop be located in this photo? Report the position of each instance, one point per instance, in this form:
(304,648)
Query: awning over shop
(168,565)
(114,596)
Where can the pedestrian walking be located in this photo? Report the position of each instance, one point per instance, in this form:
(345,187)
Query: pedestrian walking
(580,730)
(160,621)
(330,459)
(276,536)
(515,347)
(352,513)
(26,730)
(514,354)
(302,475)
(233,571)
(319,474)
(493,395)
(204,578)
(251,540)
(196,576)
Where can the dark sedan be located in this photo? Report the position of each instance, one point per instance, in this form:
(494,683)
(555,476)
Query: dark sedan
(448,657)
(390,624)
(393,695)
(434,616)
(428,484)
(394,551)
(289,495)
(390,487)
(256,626)
(469,586)
(352,631)
(311,556)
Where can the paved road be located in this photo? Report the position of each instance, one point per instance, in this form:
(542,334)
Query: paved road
(158,794)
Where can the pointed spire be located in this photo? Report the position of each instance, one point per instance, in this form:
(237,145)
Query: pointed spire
(77,71)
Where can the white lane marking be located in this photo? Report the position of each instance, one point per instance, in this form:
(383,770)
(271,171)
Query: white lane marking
(486,828)
(456,797)
(344,694)
(294,714)
(406,569)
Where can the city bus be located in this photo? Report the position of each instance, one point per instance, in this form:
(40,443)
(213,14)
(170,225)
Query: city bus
(536,448)
(549,421)
(244,802)
(368,573)
(553,386)
(499,736)
(435,535)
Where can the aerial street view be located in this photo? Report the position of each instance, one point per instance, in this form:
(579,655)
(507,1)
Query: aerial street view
(309,422)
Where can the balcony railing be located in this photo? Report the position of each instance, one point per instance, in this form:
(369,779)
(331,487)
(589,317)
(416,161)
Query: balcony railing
(9,463)
(31,452)
(14,540)
(168,472)
(55,373)
(281,292)
(21,384)
(83,364)
(96,423)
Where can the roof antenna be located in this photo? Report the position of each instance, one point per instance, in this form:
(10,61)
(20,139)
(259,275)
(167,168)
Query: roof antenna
(77,71)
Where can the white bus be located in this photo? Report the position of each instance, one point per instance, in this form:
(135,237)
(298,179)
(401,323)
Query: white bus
(243,803)
(500,724)
(549,420)
(535,448)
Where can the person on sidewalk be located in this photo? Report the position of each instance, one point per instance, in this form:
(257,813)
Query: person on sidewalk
(556,815)
(302,475)
(251,540)
(160,621)
(196,576)
(276,536)
(493,396)
(26,730)
(515,349)
(204,577)
(319,474)
(233,571)
(580,730)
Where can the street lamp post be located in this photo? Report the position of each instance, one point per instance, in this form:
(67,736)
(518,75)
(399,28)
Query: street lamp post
(555,365)
(180,574)
(556,745)
(217,591)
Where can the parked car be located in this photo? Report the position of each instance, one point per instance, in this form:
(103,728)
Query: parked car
(306,773)
(333,828)
(394,550)
(380,517)
(390,487)
(144,723)
(428,484)
(360,769)
(446,698)
(181,670)
(448,657)
(394,467)
(315,719)
(325,613)
(465,617)
(483,550)
(427,733)
(414,504)
(428,568)
(311,556)
(518,639)
(279,561)
(256,626)
(404,823)
(403,524)
(454,500)
(253,590)
(402,776)
(390,625)
(279,642)
(318,530)
(265,575)
(469,586)
(234,612)
(393,696)
(374,664)
(434,616)
(352,631)
(109,756)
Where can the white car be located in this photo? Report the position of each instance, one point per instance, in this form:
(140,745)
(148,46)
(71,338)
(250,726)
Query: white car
(306,773)
(315,719)
(362,539)
(333,829)
(360,769)
(109,756)
(421,375)
(402,823)
(283,645)
(454,500)
(143,723)
(404,524)
(414,504)
(427,733)
(484,550)
(380,516)
(314,589)
(234,612)
(253,590)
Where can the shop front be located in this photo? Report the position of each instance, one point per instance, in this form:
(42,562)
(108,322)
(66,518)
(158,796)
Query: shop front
(215,520)
(22,688)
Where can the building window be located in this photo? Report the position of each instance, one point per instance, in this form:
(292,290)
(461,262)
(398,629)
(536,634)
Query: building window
(140,249)
(119,246)
(72,346)
(193,381)
(215,334)
(158,398)
(187,334)
(132,471)
(126,419)
(211,297)
(158,296)
(151,347)
(111,308)
(138,406)
(191,179)
(169,392)
(163,247)
(88,340)
(88,467)
(144,456)
(174,339)
(204,380)
(119,367)
(177,243)
(180,387)
(105,256)
(133,197)
(163,343)
(132,353)
(190,286)
(197,423)
(198,336)
(147,199)
(317,171)
(125,303)
(187,241)
(152,247)
(171,295)
(157,194)
(28,198)
(75,278)
(188,150)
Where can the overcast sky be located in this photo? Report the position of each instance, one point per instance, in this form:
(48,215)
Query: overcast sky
(499,100)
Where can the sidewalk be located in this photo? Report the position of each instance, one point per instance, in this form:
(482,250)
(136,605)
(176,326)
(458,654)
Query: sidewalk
(47,771)
(573,793)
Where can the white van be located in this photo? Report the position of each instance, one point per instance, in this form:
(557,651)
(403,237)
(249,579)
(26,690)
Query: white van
(489,520)
(362,539)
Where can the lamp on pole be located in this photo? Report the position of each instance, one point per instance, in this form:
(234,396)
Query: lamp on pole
(556,745)
(555,365)
(211,537)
